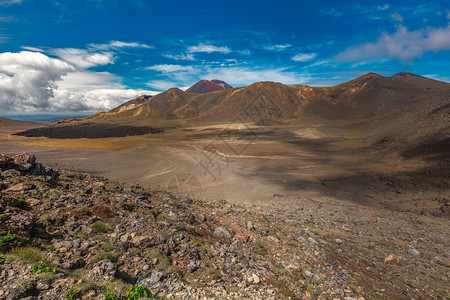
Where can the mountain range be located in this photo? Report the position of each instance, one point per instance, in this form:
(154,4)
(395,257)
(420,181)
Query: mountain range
(365,97)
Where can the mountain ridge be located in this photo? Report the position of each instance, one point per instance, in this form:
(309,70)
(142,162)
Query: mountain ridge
(366,96)
(207,86)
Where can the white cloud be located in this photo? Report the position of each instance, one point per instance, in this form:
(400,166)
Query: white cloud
(10,2)
(118,44)
(303,57)
(32,49)
(169,68)
(402,45)
(161,85)
(238,76)
(397,17)
(93,100)
(179,56)
(87,80)
(83,58)
(245,52)
(33,82)
(27,80)
(208,48)
(232,74)
(100,59)
(277,47)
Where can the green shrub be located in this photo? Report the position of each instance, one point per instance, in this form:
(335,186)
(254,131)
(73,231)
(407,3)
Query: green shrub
(104,255)
(72,293)
(137,292)
(110,291)
(107,246)
(100,227)
(44,218)
(7,238)
(2,258)
(42,267)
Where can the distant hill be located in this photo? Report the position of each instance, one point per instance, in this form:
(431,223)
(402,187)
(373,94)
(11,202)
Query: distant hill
(207,86)
(133,103)
(368,96)
(5,122)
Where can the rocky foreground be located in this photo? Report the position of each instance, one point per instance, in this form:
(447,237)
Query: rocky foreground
(66,235)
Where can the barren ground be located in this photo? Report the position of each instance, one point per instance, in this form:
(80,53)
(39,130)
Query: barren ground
(248,164)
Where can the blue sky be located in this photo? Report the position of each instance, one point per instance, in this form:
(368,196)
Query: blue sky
(91,55)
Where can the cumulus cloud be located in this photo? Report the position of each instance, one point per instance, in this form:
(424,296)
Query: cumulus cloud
(277,47)
(303,57)
(207,48)
(33,82)
(402,45)
(27,80)
(93,100)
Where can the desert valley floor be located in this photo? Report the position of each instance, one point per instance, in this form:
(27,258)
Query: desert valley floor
(248,164)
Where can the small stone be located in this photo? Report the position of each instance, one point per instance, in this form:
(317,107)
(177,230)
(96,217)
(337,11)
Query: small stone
(222,232)
(201,218)
(16,188)
(312,241)
(338,241)
(256,279)
(308,273)
(192,267)
(73,264)
(40,286)
(146,267)
(437,260)
(242,237)
(391,259)
(272,239)
(292,267)
(156,276)
(124,238)
(33,201)
(173,216)
(250,225)
(413,251)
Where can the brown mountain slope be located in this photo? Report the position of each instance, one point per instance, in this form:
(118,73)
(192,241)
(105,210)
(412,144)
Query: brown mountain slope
(208,86)
(5,122)
(367,96)
(133,103)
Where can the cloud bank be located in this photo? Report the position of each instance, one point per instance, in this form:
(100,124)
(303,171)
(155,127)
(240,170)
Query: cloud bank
(34,82)
(403,45)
